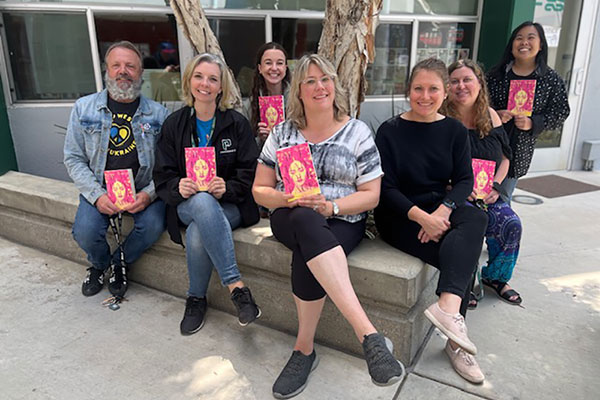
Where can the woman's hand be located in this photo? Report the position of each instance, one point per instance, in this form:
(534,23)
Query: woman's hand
(263,131)
(523,122)
(434,225)
(504,115)
(318,203)
(187,188)
(217,187)
(472,196)
(492,197)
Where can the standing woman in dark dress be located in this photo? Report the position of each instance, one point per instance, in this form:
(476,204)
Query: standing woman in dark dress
(422,152)
(468,102)
(526,57)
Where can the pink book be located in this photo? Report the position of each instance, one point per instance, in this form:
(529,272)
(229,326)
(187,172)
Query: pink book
(200,165)
(520,96)
(298,171)
(272,110)
(483,177)
(120,187)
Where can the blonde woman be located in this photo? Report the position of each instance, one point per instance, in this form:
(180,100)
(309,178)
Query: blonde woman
(322,229)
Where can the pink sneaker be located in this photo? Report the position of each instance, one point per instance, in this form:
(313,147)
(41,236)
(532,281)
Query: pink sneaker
(464,364)
(452,325)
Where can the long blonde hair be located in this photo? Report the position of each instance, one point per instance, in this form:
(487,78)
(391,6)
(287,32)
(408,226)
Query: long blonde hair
(481,107)
(225,99)
(295,108)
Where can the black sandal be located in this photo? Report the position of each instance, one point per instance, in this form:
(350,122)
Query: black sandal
(472,301)
(498,286)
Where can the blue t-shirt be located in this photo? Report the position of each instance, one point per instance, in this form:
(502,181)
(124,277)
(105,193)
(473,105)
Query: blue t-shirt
(204,131)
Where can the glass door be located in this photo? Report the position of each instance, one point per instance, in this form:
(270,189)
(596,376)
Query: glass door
(567,25)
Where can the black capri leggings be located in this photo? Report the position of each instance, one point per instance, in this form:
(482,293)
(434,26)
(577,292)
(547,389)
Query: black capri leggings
(308,234)
(456,255)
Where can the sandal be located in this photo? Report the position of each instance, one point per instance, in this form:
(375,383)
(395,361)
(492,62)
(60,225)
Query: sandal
(498,286)
(472,301)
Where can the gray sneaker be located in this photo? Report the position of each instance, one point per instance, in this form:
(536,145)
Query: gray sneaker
(294,377)
(384,369)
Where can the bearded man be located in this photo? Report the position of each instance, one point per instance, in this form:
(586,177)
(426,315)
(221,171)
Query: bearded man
(114,129)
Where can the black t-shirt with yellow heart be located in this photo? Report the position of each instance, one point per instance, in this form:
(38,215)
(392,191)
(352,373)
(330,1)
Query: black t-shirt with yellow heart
(122,151)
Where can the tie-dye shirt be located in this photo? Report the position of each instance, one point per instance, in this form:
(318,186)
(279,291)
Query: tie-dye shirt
(344,161)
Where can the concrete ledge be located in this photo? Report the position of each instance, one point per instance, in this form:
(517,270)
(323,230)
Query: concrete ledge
(393,287)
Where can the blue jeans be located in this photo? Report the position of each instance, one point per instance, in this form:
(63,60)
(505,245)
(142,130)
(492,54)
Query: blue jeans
(209,240)
(89,231)
(509,185)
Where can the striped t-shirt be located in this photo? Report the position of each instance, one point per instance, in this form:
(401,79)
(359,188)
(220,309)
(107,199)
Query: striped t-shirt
(344,161)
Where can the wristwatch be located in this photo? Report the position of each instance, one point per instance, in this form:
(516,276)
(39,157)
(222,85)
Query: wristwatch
(449,203)
(336,209)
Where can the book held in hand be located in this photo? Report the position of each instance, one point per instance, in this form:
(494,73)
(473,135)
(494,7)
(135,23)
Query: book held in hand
(520,96)
(483,177)
(298,171)
(272,110)
(120,187)
(200,166)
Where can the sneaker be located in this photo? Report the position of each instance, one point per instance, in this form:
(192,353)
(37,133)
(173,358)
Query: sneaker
(247,309)
(117,283)
(464,364)
(452,325)
(383,367)
(93,282)
(193,317)
(294,377)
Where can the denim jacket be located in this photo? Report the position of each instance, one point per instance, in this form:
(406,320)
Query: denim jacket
(86,144)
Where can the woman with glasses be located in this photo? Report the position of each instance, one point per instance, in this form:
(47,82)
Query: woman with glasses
(322,229)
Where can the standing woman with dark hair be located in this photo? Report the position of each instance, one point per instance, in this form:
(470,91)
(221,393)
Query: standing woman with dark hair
(422,152)
(526,57)
(271,78)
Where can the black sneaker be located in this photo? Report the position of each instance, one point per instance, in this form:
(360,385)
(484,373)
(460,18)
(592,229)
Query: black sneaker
(117,283)
(247,309)
(383,367)
(193,318)
(93,282)
(294,377)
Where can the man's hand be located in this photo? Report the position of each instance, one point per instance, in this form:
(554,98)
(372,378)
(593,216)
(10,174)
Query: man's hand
(142,200)
(105,206)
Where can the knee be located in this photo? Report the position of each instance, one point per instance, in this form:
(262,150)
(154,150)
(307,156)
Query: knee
(302,221)
(203,204)
(86,232)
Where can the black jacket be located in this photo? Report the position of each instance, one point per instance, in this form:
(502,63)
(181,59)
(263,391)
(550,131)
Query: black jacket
(236,155)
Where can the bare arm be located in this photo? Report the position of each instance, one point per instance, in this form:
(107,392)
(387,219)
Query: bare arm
(264,191)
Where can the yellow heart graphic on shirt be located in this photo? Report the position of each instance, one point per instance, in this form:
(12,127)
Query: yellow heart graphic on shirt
(119,134)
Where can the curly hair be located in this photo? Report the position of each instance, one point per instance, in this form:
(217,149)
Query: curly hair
(259,86)
(481,107)
(295,107)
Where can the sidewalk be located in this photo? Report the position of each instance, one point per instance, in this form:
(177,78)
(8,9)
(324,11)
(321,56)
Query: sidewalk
(56,344)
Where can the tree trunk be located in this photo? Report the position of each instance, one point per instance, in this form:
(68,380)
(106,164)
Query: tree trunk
(192,20)
(348,41)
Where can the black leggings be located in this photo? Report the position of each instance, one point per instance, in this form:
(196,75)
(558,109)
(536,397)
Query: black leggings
(308,234)
(456,255)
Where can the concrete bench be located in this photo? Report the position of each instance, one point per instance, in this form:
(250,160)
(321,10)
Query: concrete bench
(393,287)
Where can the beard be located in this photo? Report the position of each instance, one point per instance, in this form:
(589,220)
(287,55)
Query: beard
(117,93)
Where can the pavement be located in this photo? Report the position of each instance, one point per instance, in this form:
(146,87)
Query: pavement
(57,344)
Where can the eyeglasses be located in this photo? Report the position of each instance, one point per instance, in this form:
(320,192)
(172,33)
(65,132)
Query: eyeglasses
(312,82)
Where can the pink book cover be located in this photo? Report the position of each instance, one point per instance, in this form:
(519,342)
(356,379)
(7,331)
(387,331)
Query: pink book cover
(272,110)
(200,165)
(120,187)
(483,177)
(298,171)
(520,96)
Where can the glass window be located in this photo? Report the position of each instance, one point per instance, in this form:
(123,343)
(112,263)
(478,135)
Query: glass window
(308,5)
(297,36)
(432,7)
(240,39)
(156,38)
(50,56)
(389,72)
(447,41)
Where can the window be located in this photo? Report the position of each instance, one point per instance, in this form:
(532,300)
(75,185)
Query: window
(447,41)
(303,5)
(50,57)
(431,7)
(297,36)
(389,72)
(239,40)
(156,38)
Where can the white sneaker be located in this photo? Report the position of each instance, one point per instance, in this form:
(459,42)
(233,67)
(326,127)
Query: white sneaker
(451,325)
(464,364)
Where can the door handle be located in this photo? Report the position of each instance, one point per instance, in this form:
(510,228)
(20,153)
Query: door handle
(578,87)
